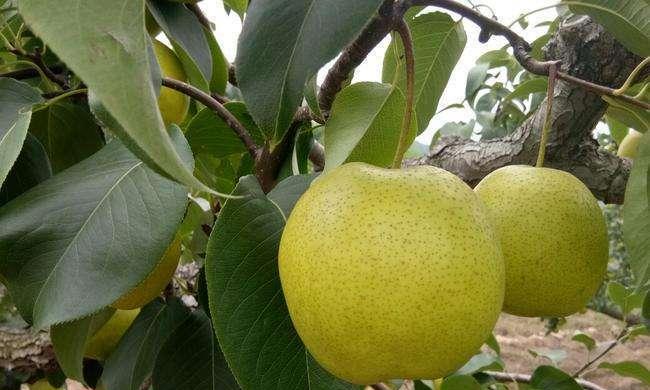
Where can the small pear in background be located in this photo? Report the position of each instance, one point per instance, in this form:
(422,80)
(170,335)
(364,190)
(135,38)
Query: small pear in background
(553,237)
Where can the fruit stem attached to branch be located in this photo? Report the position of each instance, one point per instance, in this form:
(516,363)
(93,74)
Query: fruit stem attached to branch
(548,118)
(405,34)
(632,77)
(217,107)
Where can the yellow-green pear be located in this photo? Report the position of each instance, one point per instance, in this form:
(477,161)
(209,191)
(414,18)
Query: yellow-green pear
(104,341)
(553,237)
(173,104)
(391,273)
(153,284)
(630,144)
(42,384)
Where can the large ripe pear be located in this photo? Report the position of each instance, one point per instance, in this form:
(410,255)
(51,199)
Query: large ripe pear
(391,273)
(553,236)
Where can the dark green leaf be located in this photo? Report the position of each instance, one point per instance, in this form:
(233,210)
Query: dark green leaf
(69,340)
(528,87)
(68,132)
(220,65)
(190,359)
(438,42)
(461,129)
(365,125)
(617,129)
(31,168)
(551,378)
(248,310)
(208,133)
(111,59)
(628,21)
(285,38)
(16,101)
(238,6)
(475,78)
(636,213)
(629,369)
(481,362)
(188,38)
(292,188)
(585,340)
(311,95)
(493,344)
(460,382)
(133,360)
(630,115)
(78,241)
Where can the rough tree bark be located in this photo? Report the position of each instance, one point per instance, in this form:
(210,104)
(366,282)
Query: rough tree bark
(586,51)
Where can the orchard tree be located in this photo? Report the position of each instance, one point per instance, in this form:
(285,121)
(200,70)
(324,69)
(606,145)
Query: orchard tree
(313,254)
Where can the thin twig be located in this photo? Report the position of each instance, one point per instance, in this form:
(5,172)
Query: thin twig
(520,47)
(506,377)
(602,90)
(196,10)
(604,352)
(217,107)
(354,54)
(548,118)
(407,41)
(37,59)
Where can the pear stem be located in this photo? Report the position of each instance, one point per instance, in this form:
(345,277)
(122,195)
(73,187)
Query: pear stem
(632,77)
(405,35)
(552,76)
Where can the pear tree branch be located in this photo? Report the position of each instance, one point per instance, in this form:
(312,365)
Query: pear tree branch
(218,108)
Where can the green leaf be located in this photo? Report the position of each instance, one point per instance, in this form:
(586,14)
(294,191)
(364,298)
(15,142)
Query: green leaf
(77,242)
(364,125)
(628,21)
(133,360)
(493,344)
(636,213)
(617,129)
(69,340)
(630,115)
(68,132)
(16,101)
(220,65)
(554,355)
(475,78)
(629,369)
(188,38)
(585,340)
(292,188)
(438,42)
(248,310)
(460,382)
(190,359)
(208,133)
(481,362)
(238,6)
(551,378)
(523,90)
(646,307)
(31,168)
(311,96)
(111,58)
(285,39)
(460,129)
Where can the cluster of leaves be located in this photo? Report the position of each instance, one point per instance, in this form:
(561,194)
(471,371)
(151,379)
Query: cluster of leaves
(95,187)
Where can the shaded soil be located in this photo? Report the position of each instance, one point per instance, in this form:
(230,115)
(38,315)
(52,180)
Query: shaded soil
(517,335)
